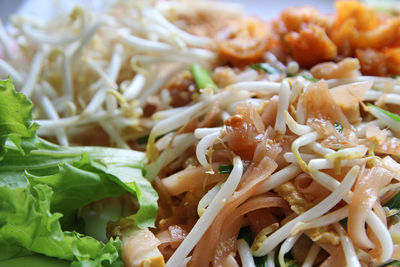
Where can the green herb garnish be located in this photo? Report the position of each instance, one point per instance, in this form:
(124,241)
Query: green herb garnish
(305,76)
(394,202)
(392,263)
(202,78)
(308,77)
(266,67)
(338,127)
(387,113)
(223,169)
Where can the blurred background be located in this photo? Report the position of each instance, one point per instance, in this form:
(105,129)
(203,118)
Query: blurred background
(262,8)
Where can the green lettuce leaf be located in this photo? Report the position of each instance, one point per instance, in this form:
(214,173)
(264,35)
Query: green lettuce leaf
(34,261)
(15,119)
(28,224)
(42,186)
(81,175)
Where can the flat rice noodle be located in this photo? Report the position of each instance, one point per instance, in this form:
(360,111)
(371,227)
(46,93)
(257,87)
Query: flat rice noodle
(220,153)
(183,214)
(259,219)
(232,224)
(309,188)
(391,146)
(230,261)
(269,114)
(337,258)
(396,252)
(177,234)
(380,212)
(205,250)
(171,238)
(346,68)
(263,150)
(256,119)
(317,102)
(192,179)
(365,195)
(349,96)
(209,120)
(241,134)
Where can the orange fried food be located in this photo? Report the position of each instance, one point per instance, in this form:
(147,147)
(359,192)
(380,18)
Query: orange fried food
(360,31)
(303,35)
(381,63)
(357,26)
(310,37)
(244,41)
(310,46)
(392,59)
(297,18)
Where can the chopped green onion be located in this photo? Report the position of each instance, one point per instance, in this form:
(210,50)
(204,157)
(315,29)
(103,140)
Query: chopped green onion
(387,113)
(394,202)
(268,68)
(222,169)
(338,127)
(305,76)
(308,77)
(392,263)
(202,77)
(292,74)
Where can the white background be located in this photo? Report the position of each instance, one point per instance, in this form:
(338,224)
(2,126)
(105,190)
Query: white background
(262,8)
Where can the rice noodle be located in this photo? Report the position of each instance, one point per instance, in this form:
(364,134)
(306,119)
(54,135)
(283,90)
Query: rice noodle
(349,252)
(310,214)
(206,219)
(116,75)
(372,220)
(324,220)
